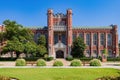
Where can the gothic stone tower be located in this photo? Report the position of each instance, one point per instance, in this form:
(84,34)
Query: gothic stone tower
(59,33)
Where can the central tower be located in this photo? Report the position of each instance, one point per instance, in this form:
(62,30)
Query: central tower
(59,33)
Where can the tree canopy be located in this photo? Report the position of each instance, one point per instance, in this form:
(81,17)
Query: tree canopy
(78,47)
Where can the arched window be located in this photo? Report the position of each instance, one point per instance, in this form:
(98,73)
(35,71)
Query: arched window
(88,39)
(102,39)
(95,36)
(109,39)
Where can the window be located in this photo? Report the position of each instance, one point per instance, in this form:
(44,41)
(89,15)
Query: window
(102,39)
(109,39)
(109,53)
(81,35)
(87,53)
(88,39)
(94,53)
(95,36)
(74,36)
(63,38)
(55,38)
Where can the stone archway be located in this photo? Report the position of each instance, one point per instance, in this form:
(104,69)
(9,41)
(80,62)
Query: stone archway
(59,54)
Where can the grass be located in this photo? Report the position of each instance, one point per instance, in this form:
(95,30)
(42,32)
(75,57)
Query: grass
(58,73)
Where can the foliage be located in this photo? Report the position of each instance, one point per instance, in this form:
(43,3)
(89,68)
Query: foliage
(78,47)
(16,37)
(30,48)
(41,62)
(69,58)
(41,50)
(105,52)
(20,62)
(95,62)
(58,63)
(42,40)
(76,63)
(47,58)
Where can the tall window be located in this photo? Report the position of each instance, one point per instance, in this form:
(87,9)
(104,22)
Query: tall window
(63,38)
(102,39)
(55,38)
(109,53)
(87,53)
(95,36)
(109,39)
(81,35)
(88,39)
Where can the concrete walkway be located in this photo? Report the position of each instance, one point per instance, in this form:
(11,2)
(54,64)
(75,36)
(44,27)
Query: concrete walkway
(115,65)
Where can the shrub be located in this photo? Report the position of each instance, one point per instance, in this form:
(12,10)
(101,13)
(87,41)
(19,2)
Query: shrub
(76,63)
(57,63)
(95,62)
(48,58)
(69,58)
(41,62)
(20,62)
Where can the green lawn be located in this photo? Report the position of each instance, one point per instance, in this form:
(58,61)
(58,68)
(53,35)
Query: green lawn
(58,73)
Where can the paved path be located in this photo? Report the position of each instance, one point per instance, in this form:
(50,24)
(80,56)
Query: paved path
(115,65)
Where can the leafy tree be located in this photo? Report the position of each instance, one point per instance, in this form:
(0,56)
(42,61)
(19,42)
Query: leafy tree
(41,50)
(17,37)
(13,46)
(78,47)
(42,40)
(30,48)
(105,52)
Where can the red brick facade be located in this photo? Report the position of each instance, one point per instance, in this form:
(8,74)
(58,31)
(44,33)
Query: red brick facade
(94,49)
(60,34)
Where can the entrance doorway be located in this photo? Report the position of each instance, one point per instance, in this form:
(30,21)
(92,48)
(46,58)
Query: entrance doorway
(59,54)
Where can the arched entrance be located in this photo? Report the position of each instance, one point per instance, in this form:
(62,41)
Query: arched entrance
(59,54)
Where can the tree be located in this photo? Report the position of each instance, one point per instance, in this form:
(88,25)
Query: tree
(13,46)
(78,47)
(30,48)
(42,40)
(41,50)
(17,36)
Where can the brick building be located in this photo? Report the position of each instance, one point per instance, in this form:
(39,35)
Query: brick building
(60,33)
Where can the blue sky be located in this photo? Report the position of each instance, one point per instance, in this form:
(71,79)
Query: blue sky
(85,12)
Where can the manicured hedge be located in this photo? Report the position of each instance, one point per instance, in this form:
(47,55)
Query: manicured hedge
(69,58)
(58,63)
(20,62)
(95,62)
(76,63)
(41,62)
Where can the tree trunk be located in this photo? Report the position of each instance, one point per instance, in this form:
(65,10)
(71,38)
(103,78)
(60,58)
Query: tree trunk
(17,55)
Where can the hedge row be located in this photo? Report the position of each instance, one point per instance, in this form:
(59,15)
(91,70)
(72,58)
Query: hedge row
(27,59)
(42,62)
